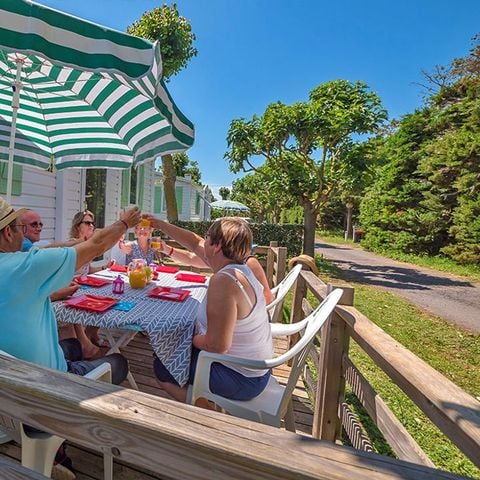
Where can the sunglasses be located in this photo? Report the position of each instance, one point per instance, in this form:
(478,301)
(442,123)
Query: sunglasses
(36,225)
(88,222)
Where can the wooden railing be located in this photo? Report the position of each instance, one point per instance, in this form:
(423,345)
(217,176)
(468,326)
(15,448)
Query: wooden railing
(184,442)
(453,411)
(179,441)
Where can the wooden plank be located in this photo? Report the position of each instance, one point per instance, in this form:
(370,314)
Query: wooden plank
(180,441)
(401,442)
(10,470)
(270,267)
(453,411)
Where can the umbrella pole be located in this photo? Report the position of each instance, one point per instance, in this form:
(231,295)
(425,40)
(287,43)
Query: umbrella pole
(11,146)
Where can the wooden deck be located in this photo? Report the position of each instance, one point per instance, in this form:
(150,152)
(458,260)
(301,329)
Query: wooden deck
(89,465)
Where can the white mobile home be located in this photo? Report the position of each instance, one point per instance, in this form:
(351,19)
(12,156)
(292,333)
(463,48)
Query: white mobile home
(58,195)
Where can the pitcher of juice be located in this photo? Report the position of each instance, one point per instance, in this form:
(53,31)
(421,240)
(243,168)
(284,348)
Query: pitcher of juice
(137,273)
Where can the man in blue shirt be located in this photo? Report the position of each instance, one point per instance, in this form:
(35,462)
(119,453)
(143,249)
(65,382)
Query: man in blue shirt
(33,229)
(27,325)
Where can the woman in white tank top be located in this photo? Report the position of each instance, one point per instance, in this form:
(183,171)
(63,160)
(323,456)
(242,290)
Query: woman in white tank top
(233,319)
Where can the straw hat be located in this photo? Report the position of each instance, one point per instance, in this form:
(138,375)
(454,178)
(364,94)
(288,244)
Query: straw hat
(8,214)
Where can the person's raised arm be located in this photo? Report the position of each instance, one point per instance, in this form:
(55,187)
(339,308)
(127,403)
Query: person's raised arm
(254,265)
(186,238)
(182,256)
(104,239)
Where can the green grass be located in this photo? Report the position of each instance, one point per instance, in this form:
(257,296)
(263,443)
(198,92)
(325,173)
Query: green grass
(451,351)
(443,264)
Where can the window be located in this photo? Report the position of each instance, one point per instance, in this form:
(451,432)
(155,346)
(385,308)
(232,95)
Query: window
(95,192)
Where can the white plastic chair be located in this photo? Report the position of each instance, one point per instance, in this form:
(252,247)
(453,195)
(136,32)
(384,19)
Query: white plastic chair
(274,403)
(39,448)
(280,291)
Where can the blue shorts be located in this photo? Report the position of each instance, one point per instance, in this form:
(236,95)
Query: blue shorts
(224,381)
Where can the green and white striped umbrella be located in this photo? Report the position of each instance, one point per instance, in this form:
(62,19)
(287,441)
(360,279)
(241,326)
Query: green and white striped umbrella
(87,96)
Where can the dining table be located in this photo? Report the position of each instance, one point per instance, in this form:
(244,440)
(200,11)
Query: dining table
(169,324)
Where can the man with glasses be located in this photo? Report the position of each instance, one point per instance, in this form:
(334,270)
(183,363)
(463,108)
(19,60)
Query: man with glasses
(28,328)
(33,229)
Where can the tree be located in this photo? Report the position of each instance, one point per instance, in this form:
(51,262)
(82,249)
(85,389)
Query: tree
(224,192)
(425,198)
(262,199)
(289,138)
(176,45)
(185,166)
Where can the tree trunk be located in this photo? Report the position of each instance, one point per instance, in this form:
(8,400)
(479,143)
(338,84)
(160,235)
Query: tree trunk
(309,224)
(169,178)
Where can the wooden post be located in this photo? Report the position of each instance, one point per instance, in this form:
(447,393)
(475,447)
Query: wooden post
(281,264)
(270,264)
(331,380)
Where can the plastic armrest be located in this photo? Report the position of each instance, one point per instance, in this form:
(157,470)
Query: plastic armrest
(286,329)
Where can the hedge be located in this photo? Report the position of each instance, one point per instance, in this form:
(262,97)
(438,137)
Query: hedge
(287,235)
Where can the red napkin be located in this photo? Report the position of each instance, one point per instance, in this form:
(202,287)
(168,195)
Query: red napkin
(91,281)
(166,269)
(118,268)
(191,277)
(169,293)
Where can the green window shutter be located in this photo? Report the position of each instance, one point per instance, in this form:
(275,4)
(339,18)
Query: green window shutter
(141,185)
(197,204)
(17,178)
(157,199)
(125,187)
(179,198)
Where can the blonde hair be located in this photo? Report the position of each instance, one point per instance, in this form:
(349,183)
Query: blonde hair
(77,220)
(234,235)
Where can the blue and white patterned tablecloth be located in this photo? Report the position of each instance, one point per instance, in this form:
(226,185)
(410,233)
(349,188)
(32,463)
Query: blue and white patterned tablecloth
(169,324)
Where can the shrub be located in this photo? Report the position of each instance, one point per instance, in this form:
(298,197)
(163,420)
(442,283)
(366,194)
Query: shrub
(286,235)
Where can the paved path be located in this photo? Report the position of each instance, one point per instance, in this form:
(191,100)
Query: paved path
(453,298)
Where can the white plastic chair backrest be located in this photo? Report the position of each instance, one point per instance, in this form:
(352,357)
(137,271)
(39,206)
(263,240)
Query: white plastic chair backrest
(281,290)
(301,349)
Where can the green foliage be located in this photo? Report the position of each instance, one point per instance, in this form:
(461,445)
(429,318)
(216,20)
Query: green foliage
(292,215)
(425,197)
(222,212)
(185,166)
(259,191)
(174,33)
(224,192)
(306,146)
(289,236)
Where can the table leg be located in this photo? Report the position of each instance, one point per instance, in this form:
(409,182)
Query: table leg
(123,340)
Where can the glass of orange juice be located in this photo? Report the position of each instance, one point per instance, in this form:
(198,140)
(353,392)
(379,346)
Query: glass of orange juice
(156,243)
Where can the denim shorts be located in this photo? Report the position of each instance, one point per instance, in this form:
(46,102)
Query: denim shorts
(224,381)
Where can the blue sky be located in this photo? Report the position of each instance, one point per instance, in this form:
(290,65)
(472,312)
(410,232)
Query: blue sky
(255,52)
